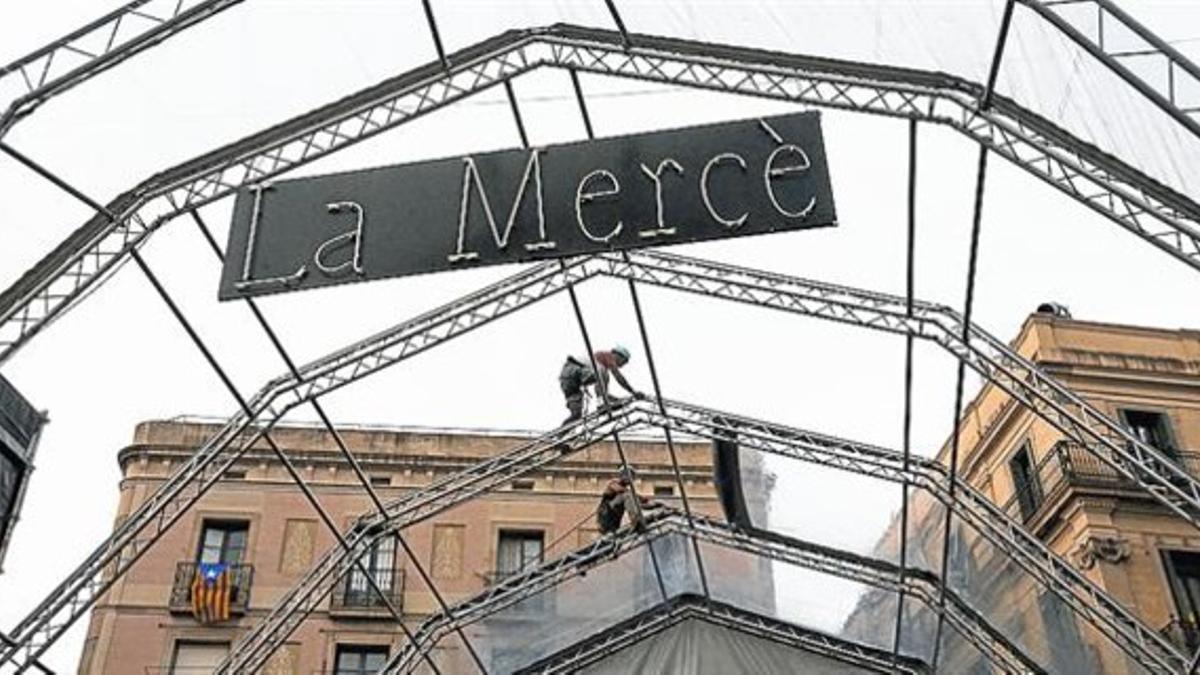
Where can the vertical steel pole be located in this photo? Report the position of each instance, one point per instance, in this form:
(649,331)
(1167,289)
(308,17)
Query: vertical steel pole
(637,308)
(910,282)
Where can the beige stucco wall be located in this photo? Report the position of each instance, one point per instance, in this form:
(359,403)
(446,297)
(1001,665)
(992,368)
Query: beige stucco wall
(1112,368)
(131,630)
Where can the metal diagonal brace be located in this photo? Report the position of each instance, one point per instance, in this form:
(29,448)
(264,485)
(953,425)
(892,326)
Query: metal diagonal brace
(1055,574)
(33,79)
(1128,197)
(191,480)
(256,647)
(1030,554)
(921,585)
(989,356)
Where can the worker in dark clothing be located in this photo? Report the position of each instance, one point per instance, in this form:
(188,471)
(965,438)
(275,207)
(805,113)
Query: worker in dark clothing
(576,374)
(617,500)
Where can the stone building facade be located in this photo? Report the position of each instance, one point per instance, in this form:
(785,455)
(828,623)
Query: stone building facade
(257,521)
(1142,554)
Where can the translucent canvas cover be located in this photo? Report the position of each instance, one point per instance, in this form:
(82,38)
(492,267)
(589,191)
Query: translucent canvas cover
(1071,93)
(1033,618)
(701,648)
(1042,70)
(585,605)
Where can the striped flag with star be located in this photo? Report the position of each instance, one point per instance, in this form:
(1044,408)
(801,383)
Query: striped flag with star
(212,591)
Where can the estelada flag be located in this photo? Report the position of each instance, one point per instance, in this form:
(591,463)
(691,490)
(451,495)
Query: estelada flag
(212,589)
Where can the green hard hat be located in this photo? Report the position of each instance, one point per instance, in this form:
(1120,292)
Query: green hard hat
(621,352)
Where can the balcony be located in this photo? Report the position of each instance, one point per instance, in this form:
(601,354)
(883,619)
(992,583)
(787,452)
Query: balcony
(241,577)
(1182,634)
(1069,467)
(355,598)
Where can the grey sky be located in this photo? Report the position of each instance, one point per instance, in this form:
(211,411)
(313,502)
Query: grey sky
(119,358)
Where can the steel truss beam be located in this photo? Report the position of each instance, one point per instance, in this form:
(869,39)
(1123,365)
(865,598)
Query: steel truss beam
(1181,73)
(101,44)
(876,573)
(1029,553)
(67,602)
(1052,572)
(1103,183)
(257,646)
(989,356)
(695,607)
(984,353)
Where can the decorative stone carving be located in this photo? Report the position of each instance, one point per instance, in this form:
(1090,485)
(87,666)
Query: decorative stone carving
(299,538)
(283,661)
(447,551)
(1093,549)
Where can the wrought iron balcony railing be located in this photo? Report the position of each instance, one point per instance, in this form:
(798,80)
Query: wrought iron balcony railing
(355,596)
(1184,634)
(1069,466)
(240,579)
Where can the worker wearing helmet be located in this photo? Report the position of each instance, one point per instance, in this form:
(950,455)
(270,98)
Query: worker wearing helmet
(577,374)
(619,500)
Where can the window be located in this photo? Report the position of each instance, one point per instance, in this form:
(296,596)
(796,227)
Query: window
(1183,572)
(664,490)
(1025,482)
(518,550)
(359,659)
(1151,428)
(381,561)
(223,541)
(231,474)
(381,481)
(522,484)
(196,658)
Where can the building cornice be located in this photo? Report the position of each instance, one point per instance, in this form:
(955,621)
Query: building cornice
(413,463)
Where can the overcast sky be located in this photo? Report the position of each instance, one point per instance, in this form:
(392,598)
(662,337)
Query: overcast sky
(119,357)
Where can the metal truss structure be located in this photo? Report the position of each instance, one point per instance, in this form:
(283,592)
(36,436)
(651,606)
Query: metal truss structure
(1165,218)
(1143,644)
(1104,183)
(876,573)
(986,354)
(88,51)
(687,607)
(1179,74)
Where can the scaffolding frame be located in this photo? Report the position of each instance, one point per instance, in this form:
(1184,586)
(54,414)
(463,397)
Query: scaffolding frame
(921,585)
(1102,182)
(986,354)
(1153,212)
(1049,570)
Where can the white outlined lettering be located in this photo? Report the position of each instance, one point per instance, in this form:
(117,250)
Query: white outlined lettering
(582,197)
(734,223)
(661,230)
(246,282)
(769,172)
(354,235)
(471,177)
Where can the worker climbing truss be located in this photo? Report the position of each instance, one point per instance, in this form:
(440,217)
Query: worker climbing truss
(1122,191)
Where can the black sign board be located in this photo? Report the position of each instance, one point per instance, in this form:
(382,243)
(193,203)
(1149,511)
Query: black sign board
(721,180)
